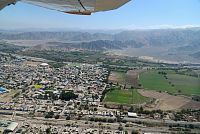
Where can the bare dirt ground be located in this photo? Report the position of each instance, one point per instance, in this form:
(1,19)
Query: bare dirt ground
(166,102)
(192,104)
(129,78)
(28,43)
(132,77)
(6,97)
(114,77)
(32,63)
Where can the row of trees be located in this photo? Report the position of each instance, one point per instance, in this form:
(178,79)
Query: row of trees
(67,96)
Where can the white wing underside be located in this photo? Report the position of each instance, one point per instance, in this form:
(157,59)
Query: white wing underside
(64,5)
(72,6)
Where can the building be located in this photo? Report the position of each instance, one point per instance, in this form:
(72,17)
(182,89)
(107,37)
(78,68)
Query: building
(132,115)
(11,127)
(44,66)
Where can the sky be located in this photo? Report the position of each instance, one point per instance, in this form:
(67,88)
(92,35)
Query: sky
(137,14)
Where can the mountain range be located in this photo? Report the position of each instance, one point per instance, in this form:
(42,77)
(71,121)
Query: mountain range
(168,42)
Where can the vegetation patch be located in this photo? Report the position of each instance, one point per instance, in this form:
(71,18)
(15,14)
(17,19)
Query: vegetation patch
(171,82)
(38,86)
(130,96)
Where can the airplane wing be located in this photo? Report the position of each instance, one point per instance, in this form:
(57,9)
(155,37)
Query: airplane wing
(82,7)
(4,3)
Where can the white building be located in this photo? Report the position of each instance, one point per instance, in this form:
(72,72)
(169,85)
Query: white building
(11,127)
(132,115)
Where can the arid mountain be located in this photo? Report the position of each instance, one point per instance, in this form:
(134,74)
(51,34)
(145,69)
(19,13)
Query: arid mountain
(171,37)
(172,44)
(161,37)
(64,36)
(98,45)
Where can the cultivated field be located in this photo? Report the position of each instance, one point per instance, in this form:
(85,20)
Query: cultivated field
(117,77)
(129,78)
(171,82)
(132,77)
(166,102)
(130,96)
(186,84)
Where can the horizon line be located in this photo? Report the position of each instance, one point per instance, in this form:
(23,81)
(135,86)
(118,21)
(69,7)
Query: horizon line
(156,27)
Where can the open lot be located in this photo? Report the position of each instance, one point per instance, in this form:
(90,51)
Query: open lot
(5,97)
(129,96)
(132,77)
(166,102)
(128,78)
(117,77)
(171,82)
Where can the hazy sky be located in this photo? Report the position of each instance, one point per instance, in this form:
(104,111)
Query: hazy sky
(135,14)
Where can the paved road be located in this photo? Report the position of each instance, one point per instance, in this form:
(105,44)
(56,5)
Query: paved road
(81,124)
(163,122)
(134,120)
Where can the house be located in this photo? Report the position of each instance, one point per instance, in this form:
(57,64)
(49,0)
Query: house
(11,127)
(132,115)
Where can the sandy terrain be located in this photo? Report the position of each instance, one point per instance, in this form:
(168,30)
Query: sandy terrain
(27,43)
(165,101)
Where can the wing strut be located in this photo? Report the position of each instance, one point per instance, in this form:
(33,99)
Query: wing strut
(82,4)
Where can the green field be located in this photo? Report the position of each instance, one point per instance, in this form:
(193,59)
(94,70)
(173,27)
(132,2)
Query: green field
(174,83)
(130,96)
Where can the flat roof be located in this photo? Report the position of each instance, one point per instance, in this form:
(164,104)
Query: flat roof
(132,114)
(12,126)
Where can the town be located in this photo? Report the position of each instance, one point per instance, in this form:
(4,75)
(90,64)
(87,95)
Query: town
(80,68)
(38,98)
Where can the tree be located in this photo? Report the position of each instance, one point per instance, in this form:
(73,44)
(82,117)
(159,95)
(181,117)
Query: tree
(131,109)
(49,114)
(67,96)
(134,132)
(121,107)
(57,116)
(95,109)
(68,117)
(140,110)
(120,128)
(191,126)
(48,130)
(111,120)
